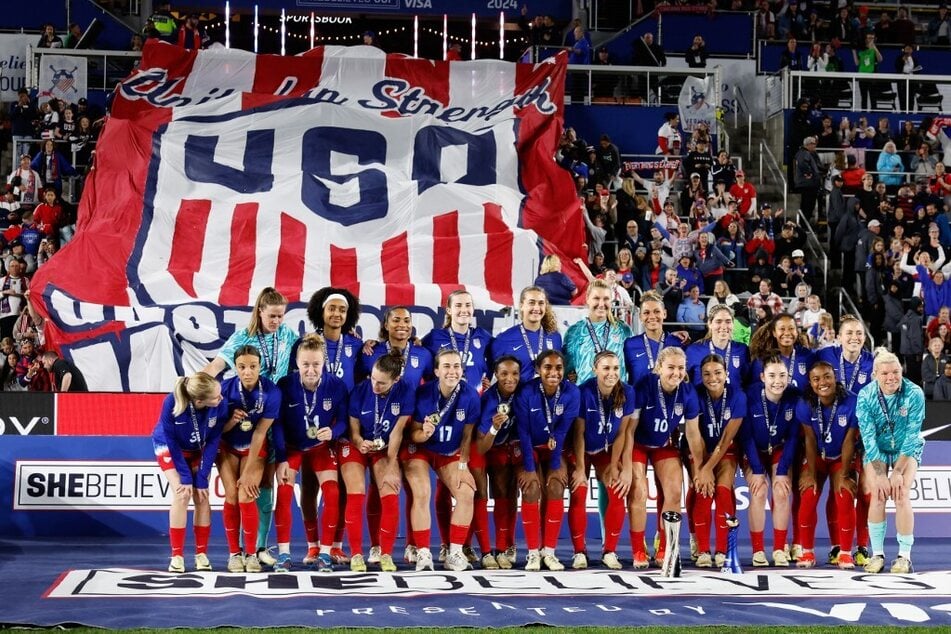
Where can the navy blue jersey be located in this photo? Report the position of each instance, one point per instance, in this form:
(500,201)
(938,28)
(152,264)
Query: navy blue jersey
(715,414)
(303,412)
(453,413)
(640,354)
(798,365)
(342,360)
(417,362)
(830,424)
(192,430)
(602,420)
(378,414)
(854,376)
(472,346)
(660,417)
(539,417)
(736,355)
(264,401)
(525,345)
(490,405)
(769,427)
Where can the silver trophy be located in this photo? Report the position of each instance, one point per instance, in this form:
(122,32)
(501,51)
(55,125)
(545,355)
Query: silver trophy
(732,563)
(671,564)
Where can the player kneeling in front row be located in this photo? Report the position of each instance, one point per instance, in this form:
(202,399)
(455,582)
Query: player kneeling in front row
(890,412)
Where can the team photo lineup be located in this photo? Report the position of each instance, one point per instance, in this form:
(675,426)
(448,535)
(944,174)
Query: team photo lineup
(524,416)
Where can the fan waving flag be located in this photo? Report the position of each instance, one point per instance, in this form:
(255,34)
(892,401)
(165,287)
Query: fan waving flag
(221,172)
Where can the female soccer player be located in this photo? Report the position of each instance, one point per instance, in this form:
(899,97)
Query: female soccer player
(313,415)
(830,430)
(782,334)
(440,438)
(380,408)
(396,333)
(255,402)
(601,437)
(186,440)
(640,351)
(545,408)
(536,332)
(275,340)
(493,449)
(713,456)
(665,401)
(598,331)
(461,336)
(719,340)
(770,436)
(890,412)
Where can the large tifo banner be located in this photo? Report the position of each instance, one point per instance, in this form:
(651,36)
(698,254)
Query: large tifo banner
(221,172)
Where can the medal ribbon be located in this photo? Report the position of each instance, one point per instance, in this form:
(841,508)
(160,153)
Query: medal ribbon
(889,419)
(465,346)
(598,346)
(541,342)
(548,408)
(715,418)
(824,426)
(309,407)
(270,357)
(855,370)
(195,427)
(449,402)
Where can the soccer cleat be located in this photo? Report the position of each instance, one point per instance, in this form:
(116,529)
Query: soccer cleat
(806,560)
(759,559)
(410,554)
(694,548)
(456,561)
(325,563)
(357,564)
(502,559)
(266,558)
(834,556)
(252,563)
(704,560)
(489,562)
(657,544)
(176,564)
(902,566)
(512,554)
(443,552)
(610,561)
(424,559)
(339,557)
(845,561)
(875,564)
(780,558)
(579,561)
(201,562)
(236,563)
(719,560)
(641,561)
(375,553)
(387,564)
(551,562)
(795,552)
(311,557)
(861,556)
(659,558)
(470,554)
(533,562)
(283,563)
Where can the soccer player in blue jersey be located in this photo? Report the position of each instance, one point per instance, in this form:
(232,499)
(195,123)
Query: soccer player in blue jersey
(440,439)
(770,435)
(313,415)
(641,351)
(185,441)
(396,333)
(830,431)
(890,413)
(493,452)
(255,402)
(601,436)
(782,334)
(545,409)
(713,457)
(380,409)
(461,335)
(536,332)
(719,340)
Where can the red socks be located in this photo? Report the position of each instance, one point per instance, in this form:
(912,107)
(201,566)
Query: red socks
(861,519)
(759,542)
(845,511)
(231,517)
(373,513)
(458,533)
(421,538)
(201,538)
(554,511)
(725,506)
(779,538)
(176,537)
(577,518)
(702,510)
(282,514)
(613,520)
(807,518)
(354,521)
(638,545)
(389,520)
(502,519)
(443,511)
(531,518)
(330,491)
(480,523)
(249,525)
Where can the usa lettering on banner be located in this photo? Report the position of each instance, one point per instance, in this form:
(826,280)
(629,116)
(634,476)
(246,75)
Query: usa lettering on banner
(221,172)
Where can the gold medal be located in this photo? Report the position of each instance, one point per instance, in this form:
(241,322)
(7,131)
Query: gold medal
(552,443)
(311,432)
(245,425)
(433,419)
(378,444)
(503,409)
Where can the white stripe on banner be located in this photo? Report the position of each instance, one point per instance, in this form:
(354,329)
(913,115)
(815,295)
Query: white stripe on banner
(222,68)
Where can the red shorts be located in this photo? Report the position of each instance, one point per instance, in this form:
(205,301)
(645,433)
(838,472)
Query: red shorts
(348,453)
(319,458)
(498,456)
(541,453)
(826,466)
(600,460)
(729,455)
(224,447)
(412,451)
(764,459)
(642,453)
(164,459)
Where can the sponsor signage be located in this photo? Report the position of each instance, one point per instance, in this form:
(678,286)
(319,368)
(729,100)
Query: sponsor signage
(27,414)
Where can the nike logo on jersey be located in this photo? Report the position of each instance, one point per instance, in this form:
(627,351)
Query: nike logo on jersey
(536,409)
(364,413)
(516,348)
(293,404)
(592,410)
(640,354)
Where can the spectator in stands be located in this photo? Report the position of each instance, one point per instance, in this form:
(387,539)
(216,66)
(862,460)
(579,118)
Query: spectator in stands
(903,29)
(710,260)
(66,377)
(191,36)
(73,33)
(923,163)
(724,169)
(791,58)
(942,386)
(765,21)
(694,190)
(558,286)
(647,52)
(808,176)
(12,287)
(48,215)
(844,27)
(608,162)
(667,134)
(658,189)
(8,204)
(52,166)
(867,60)
(783,282)
(692,311)
(672,290)
(940,184)
(760,240)
(760,268)
(771,223)
(911,340)
(23,117)
(581,48)
(852,175)
(699,161)
(791,22)
(632,239)
(744,193)
(624,269)
(49,39)
(688,273)
(933,365)
(653,272)
(766,297)
(890,167)
(26,182)
(733,245)
(939,27)
(696,55)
